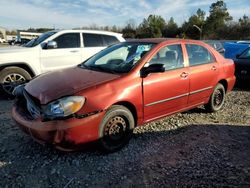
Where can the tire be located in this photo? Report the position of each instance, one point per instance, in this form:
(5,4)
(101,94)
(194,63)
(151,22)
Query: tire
(10,77)
(117,118)
(217,99)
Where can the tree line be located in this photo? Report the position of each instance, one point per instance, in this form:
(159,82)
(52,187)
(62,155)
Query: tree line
(218,24)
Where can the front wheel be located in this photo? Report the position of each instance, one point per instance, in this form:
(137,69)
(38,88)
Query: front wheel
(217,99)
(116,128)
(10,77)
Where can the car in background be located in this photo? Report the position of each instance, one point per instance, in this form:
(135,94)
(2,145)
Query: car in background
(217,45)
(2,40)
(242,65)
(126,85)
(52,50)
(21,41)
(234,48)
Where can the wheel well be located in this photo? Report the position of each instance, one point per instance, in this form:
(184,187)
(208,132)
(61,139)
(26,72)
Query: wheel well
(131,107)
(224,83)
(21,65)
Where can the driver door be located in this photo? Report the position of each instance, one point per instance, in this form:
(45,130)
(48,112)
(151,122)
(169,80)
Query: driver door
(167,92)
(66,54)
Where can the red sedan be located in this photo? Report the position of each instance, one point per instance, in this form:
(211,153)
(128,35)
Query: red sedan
(121,87)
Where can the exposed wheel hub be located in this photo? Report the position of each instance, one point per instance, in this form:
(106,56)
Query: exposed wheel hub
(115,128)
(218,97)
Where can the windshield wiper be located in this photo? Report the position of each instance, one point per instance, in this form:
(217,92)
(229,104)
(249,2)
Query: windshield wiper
(83,66)
(103,69)
(97,68)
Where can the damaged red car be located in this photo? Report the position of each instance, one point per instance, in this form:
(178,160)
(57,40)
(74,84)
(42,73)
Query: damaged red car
(124,86)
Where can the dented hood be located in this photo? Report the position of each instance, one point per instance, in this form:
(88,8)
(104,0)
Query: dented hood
(53,85)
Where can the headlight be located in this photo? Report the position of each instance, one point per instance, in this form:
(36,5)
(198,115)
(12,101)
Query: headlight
(63,107)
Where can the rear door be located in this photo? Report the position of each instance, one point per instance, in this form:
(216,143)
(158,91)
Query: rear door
(166,92)
(94,42)
(203,73)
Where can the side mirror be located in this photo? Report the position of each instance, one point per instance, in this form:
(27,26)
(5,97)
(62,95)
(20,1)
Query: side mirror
(153,68)
(51,44)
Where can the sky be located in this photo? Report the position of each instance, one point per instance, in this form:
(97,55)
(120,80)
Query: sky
(68,14)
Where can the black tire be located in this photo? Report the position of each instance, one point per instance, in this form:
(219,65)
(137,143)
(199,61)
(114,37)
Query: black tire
(217,99)
(10,77)
(116,128)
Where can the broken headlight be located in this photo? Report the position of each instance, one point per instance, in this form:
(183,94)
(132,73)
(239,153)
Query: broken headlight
(63,107)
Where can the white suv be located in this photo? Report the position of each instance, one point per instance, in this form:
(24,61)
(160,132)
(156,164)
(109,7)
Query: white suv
(51,51)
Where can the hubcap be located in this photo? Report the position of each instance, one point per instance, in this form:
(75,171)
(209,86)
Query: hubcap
(11,81)
(115,128)
(218,98)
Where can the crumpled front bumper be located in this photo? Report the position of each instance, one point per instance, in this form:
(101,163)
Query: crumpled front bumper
(63,134)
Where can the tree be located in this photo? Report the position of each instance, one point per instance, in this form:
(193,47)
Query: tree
(11,32)
(129,31)
(244,27)
(217,19)
(193,28)
(1,35)
(171,29)
(152,27)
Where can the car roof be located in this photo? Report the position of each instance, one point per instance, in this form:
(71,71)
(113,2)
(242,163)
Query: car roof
(160,40)
(89,31)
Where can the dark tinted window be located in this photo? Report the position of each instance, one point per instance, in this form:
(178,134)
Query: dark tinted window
(170,56)
(245,54)
(92,40)
(69,40)
(198,55)
(108,40)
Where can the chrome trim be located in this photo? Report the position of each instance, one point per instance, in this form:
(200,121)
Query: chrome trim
(169,99)
(200,90)
(179,96)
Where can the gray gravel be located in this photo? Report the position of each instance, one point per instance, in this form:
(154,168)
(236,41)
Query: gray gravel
(190,149)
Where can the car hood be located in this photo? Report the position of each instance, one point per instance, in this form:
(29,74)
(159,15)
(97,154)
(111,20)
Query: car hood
(16,54)
(13,49)
(54,85)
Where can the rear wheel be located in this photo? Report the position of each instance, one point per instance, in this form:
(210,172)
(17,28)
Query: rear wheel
(10,77)
(217,99)
(116,128)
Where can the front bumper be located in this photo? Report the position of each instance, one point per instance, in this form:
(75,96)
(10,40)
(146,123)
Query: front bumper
(63,134)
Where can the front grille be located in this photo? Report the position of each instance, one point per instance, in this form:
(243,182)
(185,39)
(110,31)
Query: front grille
(33,109)
(22,109)
(30,107)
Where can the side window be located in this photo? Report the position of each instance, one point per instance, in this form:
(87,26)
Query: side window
(170,56)
(92,40)
(69,40)
(245,54)
(109,40)
(198,55)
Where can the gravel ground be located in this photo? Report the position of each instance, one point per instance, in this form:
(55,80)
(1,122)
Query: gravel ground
(190,149)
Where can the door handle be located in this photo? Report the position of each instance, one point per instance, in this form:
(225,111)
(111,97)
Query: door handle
(213,68)
(184,75)
(74,51)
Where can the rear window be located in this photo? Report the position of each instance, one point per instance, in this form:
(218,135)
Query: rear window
(198,55)
(98,40)
(92,40)
(109,40)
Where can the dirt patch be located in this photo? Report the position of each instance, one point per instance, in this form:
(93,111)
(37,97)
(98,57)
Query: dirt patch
(190,149)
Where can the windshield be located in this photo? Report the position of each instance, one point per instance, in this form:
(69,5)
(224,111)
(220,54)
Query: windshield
(119,58)
(39,39)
